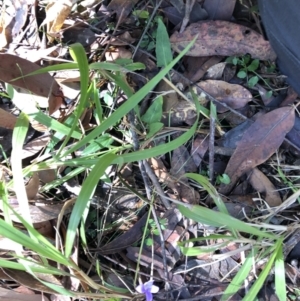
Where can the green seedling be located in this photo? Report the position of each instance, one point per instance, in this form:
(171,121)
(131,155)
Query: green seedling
(248,70)
(224,179)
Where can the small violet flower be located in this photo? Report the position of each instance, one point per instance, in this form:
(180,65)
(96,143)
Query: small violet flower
(148,289)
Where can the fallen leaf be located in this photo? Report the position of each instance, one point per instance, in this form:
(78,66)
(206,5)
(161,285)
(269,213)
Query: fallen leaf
(118,53)
(123,39)
(258,143)
(197,66)
(222,38)
(56,14)
(8,294)
(182,112)
(216,71)
(233,136)
(29,281)
(235,96)
(12,67)
(41,212)
(219,10)
(7,120)
(262,184)
(125,240)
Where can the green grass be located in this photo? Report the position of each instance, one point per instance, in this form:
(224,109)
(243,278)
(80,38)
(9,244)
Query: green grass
(95,162)
(260,242)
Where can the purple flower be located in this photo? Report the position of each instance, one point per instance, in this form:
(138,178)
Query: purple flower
(147,289)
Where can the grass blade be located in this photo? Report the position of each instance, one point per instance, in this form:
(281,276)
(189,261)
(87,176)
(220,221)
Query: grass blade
(19,135)
(280,285)
(240,277)
(84,197)
(129,104)
(220,219)
(163,47)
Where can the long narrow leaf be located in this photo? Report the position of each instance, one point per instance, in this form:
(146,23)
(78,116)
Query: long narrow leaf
(220,219)
(84,197)
(79,56)
(280,286)
(241,276)
(129,104)
(19,135)
(252,293)
(163,47)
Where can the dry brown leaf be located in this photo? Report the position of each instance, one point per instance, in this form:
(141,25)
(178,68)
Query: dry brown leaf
(222,38)
(198,66)
(56,14)
(125,240)
(118,53)
(28,280)
(123,39)
(7,120)
(183,112)
(40,212)
(259,142)
(235,96)
(32,186)
(262,184)
(9,295)
(216,71)
(12,67)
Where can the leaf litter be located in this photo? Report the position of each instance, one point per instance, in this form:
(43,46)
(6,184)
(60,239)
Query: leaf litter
(253,129)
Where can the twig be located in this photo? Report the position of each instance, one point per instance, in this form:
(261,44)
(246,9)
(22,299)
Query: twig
(136,147)
(188,8)
(156,184)
(163,250)
(115,30)
(212,144)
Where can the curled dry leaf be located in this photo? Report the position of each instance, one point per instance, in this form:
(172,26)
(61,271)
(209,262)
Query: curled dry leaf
(56,14)
(12,67)
(222,38)
(262,184)
(258,144)
(235,96)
